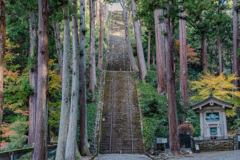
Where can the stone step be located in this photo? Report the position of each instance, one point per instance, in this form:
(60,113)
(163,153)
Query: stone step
(120,99)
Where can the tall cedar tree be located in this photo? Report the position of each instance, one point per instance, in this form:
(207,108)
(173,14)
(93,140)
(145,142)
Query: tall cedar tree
(65,107)
(83,136)
(33,77)
(141,60)
(2,52)
(149,46)
(204,51)
(127,38)
(171,92)
(235,42)
(42,85)
(160,52)
(203,46)
(92,68)
(101,37)
(58,45)
(183,56)
(219,45)
(72,130)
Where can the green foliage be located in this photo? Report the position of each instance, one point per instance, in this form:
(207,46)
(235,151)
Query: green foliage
(26,156)
(153,105)
(91,116)
(154,108)
(54,95)
(151,78)
(15,134)
(17,85)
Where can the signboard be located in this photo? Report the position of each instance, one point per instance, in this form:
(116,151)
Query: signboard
(238,138)
(161,140)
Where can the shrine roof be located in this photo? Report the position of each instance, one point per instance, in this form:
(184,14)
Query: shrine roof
(211,100)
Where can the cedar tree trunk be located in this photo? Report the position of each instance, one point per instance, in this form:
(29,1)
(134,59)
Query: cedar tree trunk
(160,53)
(83,136)
(101,36)
(58,45)
(220,55)
(141,60)
(171,92)
(204,52)
(65,108)
(127,38)
(70,153)
(33,78)
(40,148)
(235,43)
(2,53)
(183,58)
(149,48)
(92,49)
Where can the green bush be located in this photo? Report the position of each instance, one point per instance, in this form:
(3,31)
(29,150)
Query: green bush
(154,109)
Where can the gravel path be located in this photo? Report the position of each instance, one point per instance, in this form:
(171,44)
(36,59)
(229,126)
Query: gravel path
(122,157)
(228,155)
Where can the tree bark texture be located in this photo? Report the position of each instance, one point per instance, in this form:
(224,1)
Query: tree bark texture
(235,42)
(219,44)
(101,36)
(204,52)
(83,136)
(92,70)
(97,9)
(32,77)
(160,53)
(127,38)
(171,92)
(153,60)
(141,60)
(72,130)
(58,45)
(42,85)
(2,53)
(65,108)
(183,58)
(149,48)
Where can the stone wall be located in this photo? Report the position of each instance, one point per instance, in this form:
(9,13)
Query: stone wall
(215,144)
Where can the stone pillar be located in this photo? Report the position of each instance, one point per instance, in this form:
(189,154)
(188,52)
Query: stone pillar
(224,124)
(201,124)
(218,130)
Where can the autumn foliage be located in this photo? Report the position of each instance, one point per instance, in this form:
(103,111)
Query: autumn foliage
(191,55)
(220,86)
(16,92)
(186,128)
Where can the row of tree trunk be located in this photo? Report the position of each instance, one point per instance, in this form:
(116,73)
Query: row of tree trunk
(67,146)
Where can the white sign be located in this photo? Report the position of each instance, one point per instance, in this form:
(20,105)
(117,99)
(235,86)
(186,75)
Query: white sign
(161,140)
(238,138)
(197,147)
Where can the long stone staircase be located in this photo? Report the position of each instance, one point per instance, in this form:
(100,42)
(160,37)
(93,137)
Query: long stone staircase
(121,128)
